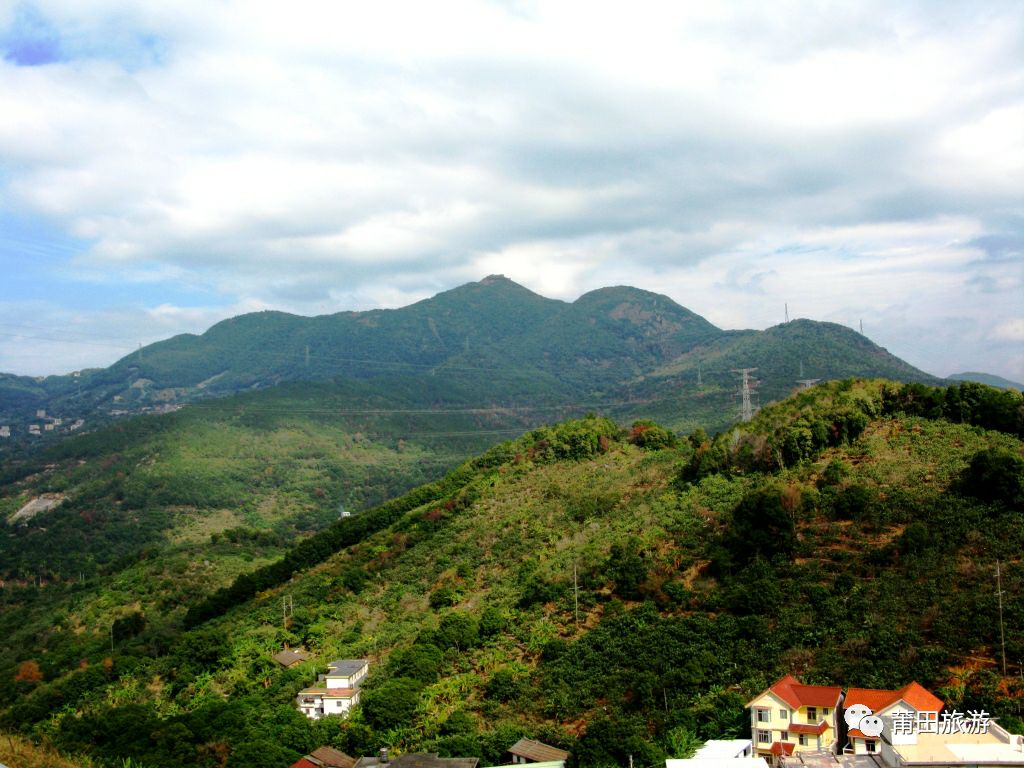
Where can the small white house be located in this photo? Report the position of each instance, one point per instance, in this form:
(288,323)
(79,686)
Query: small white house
(336,692)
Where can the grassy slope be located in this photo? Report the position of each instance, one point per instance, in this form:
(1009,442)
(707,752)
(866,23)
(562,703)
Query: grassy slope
(19,752)
(858,603)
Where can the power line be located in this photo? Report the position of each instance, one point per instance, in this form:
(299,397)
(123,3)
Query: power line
(473,410)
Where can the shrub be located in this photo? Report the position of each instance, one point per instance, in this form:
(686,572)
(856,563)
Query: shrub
(995,474)
(651,437)
(393,704)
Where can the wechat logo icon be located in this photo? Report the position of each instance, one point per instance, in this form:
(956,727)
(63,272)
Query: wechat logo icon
(863,719)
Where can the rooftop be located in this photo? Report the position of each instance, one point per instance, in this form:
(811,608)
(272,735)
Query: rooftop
(419,760)
(718,762)
(346,666)
(288,657)
(537,752)
(823,758)
(328,757)
(964,748)
(329,693)
(722,748)
(797,695)
(877,699)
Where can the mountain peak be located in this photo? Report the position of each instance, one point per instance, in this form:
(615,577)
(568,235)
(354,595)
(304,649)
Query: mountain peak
(496,280)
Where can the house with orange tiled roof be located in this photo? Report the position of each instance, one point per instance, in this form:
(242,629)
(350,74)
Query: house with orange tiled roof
(912,698)
(790,717)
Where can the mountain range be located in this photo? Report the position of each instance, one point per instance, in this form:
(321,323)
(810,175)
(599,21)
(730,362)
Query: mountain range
(620,350)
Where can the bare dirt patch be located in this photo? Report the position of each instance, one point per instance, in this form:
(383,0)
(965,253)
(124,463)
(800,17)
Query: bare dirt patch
(37,505)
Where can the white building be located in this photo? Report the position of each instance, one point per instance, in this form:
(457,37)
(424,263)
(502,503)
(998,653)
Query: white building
(722,753)
(995,747)
(336,692)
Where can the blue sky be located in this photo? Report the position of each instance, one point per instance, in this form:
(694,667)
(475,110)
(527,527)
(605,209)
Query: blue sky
(162,168)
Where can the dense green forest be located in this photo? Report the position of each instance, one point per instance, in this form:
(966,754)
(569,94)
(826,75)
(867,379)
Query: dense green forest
(616,591)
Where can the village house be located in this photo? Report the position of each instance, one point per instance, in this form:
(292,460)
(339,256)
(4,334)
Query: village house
(324,757)
(911,698)
(904,728)
(336,692)
(416,760)
(5,430)
(289,658)
(791,717)
(537,754)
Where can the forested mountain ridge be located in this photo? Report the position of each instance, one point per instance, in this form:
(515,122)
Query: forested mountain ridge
(503,343)
(614,591)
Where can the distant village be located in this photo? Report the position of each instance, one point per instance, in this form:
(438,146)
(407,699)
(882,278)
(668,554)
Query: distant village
(792,725)
(44,423)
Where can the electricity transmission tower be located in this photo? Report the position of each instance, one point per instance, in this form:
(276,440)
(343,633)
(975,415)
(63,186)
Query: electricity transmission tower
(746,408)
(807,383)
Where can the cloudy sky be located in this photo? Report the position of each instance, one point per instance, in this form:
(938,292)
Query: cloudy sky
(166,165)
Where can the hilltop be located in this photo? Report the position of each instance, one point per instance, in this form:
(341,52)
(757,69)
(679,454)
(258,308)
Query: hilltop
(987,378)
(613,591)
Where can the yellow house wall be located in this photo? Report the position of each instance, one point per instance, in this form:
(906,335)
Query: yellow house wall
(778,725)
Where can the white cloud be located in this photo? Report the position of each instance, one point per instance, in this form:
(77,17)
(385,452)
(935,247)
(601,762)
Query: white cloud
(320,157)
(1011,330)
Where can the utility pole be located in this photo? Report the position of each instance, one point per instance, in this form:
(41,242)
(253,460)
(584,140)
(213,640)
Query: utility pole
(287,609)
(861,327)
(700,382)
(746,409)
(801,369)
(1002,630)
(787,312)
(576,594)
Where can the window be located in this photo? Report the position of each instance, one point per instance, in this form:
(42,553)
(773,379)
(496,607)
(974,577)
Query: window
(803,740)
(824,711)
(784,714)
(812,714)
(764,737)
(764,715)
(785,736)
(870,745)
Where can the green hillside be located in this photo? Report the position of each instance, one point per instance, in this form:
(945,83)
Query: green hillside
(615,591)
(158,510)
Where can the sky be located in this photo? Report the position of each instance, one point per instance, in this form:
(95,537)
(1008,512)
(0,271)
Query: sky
(167,165)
